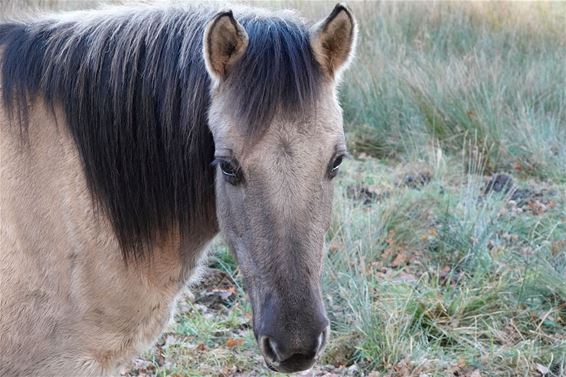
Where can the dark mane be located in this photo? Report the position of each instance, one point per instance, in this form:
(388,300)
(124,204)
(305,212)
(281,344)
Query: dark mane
(135,94)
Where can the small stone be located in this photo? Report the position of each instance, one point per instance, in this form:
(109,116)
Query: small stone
(499,182)
(416,180)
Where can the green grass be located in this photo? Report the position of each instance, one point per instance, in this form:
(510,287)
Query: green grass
(462,90)
(488,79)
(480,281)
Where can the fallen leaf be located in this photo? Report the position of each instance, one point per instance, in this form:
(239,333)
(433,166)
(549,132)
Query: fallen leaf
(406,277)
(232,342)
(400,260)
(363,156)
(537,207)
(335,246)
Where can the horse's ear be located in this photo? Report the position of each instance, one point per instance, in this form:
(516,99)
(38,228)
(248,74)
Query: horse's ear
(333,40)
(225,41)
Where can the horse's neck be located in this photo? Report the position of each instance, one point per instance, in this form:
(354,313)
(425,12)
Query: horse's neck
(55,249)
(44,186)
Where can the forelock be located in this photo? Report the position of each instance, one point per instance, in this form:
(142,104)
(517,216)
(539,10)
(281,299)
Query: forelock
(278,73)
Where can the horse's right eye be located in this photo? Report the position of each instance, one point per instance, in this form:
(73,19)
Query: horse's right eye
(231,172)
(333,168)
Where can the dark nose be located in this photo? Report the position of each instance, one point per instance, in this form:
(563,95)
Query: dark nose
(289,352)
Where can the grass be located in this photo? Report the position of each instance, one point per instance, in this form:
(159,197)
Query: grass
(479,284)
(462,91)
(432,280)
(427,274)
(444,279)
(484,79)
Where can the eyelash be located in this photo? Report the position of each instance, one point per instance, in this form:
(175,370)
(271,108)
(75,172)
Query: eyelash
(231,171)
(334,165)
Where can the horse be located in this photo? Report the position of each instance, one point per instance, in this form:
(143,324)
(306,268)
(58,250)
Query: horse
(130,137)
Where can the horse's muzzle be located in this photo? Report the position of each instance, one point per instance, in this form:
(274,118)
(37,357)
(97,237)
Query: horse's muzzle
(297,356)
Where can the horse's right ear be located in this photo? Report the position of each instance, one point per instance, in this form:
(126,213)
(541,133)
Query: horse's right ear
(225,41)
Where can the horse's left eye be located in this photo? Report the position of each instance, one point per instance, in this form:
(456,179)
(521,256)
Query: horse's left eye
(231,172)
(333,169)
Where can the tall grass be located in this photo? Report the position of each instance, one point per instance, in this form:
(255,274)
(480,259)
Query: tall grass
(481,286)
(492,74)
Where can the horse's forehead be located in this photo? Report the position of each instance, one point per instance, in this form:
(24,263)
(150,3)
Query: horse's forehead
(320,128)
(298,146)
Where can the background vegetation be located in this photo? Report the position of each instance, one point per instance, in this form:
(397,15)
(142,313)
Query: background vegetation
(447,253)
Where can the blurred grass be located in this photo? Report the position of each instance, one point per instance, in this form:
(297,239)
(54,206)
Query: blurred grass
(481,78)
(437,279)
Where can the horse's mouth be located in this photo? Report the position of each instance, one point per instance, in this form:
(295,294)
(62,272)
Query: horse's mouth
(297,365)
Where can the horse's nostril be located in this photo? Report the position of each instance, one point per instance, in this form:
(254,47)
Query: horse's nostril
(292,354)
(269,349)
(322,340)
(300,357)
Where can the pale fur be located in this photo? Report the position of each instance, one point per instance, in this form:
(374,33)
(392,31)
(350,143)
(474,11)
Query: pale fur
(69,305)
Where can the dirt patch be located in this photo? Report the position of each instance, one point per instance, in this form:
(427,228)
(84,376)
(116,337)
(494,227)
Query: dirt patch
(366,194)
(216,290)
(532,199)
(416,180)
(499,183)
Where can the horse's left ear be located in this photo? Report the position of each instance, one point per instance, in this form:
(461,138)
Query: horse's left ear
(333,40)
(225,41)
